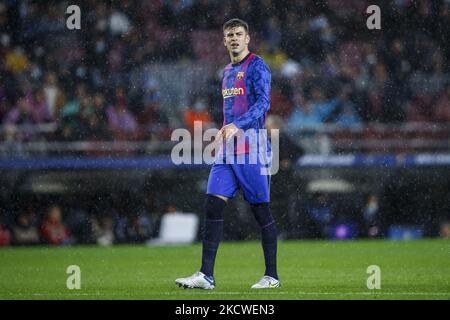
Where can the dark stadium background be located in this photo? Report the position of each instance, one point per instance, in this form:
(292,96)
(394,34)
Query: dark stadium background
(86,115)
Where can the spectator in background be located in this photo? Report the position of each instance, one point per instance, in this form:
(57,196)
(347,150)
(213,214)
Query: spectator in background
(25,231)
(322,106)
(119,23)
(122,123)
(103,230)
(5,234)
(79,122)
(39,107)
(398,61)
(279,103)
(320,215)
(21,114)
(95,124)
(151,91)
(12,145)
(72,108)
(371,219)
(31,109)
(274,57)
(156,121)
(121,222)
(16,60)
(384,96)
(54,95)
(79,224)
(347,116)
(53,230)
(374,86)
(284,191)
(73,112)
(272,32)
(3,100)
(92,119)
(305,115)
(152,203)
(442,107)
(140,228)
(330,66)
(421,109)
(198,112)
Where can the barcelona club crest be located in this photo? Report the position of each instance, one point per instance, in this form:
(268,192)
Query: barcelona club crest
(240,75)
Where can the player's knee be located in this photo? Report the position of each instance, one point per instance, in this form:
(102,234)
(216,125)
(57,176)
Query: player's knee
(214,207)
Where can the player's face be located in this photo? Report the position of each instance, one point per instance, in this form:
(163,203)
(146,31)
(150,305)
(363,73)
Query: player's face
(236,40)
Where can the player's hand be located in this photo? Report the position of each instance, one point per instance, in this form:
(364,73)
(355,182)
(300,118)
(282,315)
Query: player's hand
(228,131)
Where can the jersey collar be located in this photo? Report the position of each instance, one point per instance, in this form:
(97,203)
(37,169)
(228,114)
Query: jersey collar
(242,61)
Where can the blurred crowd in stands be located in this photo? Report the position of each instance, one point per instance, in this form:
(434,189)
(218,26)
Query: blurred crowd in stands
(327,66)
(56,224)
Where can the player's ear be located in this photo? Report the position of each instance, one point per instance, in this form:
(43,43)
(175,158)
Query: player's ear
(247,38)
(224,41)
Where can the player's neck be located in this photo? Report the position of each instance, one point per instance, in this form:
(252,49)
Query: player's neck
(240,57)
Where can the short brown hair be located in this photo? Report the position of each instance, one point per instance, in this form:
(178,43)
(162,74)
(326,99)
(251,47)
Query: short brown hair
(235,22)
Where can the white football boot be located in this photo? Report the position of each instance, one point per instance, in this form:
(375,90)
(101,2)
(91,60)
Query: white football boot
(267,282)
(197,280)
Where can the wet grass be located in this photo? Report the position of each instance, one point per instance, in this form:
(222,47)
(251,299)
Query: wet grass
(417,269)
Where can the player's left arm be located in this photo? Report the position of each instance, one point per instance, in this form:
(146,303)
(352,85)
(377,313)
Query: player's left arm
(261,77)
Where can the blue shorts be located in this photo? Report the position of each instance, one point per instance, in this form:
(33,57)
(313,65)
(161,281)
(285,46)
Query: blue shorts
(226,179)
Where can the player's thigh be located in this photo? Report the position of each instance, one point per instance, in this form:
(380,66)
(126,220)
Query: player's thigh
(222,181)
(254,181)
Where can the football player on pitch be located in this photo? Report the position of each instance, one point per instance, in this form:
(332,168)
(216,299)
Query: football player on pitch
(246,100)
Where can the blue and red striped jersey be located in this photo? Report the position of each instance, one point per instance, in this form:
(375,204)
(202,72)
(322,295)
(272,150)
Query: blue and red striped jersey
(246,94)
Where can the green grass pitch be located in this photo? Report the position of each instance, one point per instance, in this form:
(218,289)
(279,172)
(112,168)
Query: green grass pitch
(418,269)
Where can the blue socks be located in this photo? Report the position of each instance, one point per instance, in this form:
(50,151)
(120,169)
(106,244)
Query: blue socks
(265,220)
(212,232)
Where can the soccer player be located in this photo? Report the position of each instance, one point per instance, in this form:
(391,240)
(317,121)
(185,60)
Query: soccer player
(246,100)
